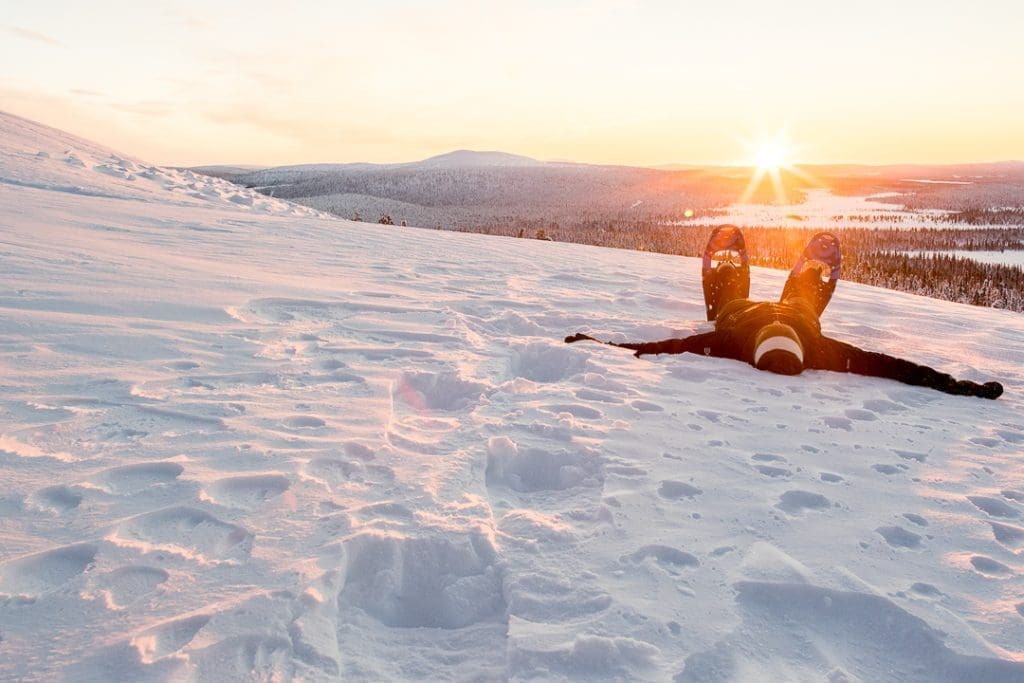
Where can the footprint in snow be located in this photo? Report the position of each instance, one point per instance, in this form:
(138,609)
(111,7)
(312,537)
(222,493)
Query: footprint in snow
(795,502)
(35,574)
(1010,437)
(386,508)
(168,637)
(248,491)
(915,519)
(860,414)
(187,531)
(598,381)
(882,406)
(425,581)
(926,590)
(182,365)
(911,455)
(576,410)
(663,554)
(770,470)
(443,391)
(303,422)
(625,470)
(986,566)
(588,394)
(532,529)
(831,478)
(334,471)
(129,479)
(898,537)
(767,457)
(330,364)
(994,507)
(774,472)
(674,490)
(547,362)
(57,499)
(839,423)
(125,585)
(533,469)
(1007,534)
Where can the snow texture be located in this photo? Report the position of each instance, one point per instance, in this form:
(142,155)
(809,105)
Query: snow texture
(243,441)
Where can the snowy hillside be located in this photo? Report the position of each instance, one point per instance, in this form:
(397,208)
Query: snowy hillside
(35,156)
(239,441)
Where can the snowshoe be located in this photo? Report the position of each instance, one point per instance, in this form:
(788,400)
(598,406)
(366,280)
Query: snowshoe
(816,272)
(725,270)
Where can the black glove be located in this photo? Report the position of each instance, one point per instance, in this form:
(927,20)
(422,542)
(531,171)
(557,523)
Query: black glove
(579,336)
(991,390)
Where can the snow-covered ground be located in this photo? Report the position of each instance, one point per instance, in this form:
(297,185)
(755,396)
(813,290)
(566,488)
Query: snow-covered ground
(242,442)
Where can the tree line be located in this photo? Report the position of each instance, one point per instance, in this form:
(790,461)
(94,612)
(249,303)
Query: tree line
(887,258)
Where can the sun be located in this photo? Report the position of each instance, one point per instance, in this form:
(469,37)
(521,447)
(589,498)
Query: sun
(771,155)
(771,158)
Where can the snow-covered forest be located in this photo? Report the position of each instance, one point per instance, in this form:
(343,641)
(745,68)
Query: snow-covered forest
(894,259)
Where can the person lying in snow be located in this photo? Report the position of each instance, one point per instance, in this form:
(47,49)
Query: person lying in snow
(785,336)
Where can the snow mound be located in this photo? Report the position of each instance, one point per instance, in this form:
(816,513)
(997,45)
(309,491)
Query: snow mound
(36,156)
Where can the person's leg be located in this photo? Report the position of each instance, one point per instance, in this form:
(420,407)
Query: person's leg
(806,284)
(730,283)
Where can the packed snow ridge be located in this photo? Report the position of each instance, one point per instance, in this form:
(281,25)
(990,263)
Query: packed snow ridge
(243,441)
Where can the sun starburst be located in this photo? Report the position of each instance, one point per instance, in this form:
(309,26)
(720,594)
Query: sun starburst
(771,158)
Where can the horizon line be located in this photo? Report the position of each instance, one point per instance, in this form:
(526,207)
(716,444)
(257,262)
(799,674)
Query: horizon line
(665,166)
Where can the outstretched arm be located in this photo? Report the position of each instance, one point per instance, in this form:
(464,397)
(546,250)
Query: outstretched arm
(842,357)
(698,343)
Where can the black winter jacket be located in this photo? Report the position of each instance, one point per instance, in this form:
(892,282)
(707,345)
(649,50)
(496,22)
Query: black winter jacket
(740,320)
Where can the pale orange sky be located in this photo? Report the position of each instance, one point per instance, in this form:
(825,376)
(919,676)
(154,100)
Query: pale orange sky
(608,81)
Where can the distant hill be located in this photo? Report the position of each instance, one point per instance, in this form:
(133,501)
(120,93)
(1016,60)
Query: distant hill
(467,189)
(470,189)
(465,158)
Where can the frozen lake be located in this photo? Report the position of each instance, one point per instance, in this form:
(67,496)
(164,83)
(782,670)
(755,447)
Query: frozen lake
(1006,258)
(822,208)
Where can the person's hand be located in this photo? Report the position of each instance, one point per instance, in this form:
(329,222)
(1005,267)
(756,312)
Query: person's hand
(579,336)
(991,390)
